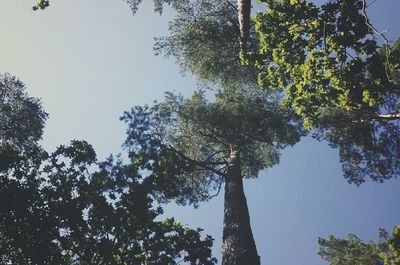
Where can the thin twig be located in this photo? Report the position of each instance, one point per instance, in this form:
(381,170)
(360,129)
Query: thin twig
(198,163)
(232,6)
(386,41)
(370,4)
(219,189)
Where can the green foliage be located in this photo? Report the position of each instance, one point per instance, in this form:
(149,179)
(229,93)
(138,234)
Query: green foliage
(204,40)
(353,251)
(198,134)
(367,148)
(349,251)
(62,214)
(68,208)
(391,255)
(190,140)
(324,57)
(21,122)
(334,75)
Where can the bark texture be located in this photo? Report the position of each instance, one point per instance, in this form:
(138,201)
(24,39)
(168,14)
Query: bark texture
(238,247)
(244,7)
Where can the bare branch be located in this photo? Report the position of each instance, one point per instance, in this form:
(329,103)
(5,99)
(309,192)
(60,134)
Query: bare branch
(219,189)
(386,41)
(388,116)
(232,6)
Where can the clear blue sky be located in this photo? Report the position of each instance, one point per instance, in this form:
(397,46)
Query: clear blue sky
(89,60)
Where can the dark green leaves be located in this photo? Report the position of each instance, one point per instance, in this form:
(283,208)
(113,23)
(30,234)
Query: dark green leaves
(68,208)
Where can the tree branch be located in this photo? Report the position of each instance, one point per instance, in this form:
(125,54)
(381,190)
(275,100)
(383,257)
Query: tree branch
(232,6)
(388,116)
(205,165)
(215,138)
(219,189)
(386,41)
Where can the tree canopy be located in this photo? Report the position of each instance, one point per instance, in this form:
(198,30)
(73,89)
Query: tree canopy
(21,122)
(325,57)
(203,40)
(198,136)
(334,74)
(215,140)
(67,207)
(190,142)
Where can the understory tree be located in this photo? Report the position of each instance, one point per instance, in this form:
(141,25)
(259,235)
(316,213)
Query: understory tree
(328,62)
(68,208)
(353,251)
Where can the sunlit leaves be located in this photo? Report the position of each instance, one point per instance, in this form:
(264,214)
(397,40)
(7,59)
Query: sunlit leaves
(334,74)
(321,56)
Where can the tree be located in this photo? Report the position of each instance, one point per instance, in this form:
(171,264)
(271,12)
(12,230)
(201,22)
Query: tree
(55,211)
(353,251)
(21,122)
(210,142)
(65,215)
(203,40)
(197,145)
(336,76)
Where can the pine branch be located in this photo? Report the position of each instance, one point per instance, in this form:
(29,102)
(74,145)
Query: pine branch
(202,164)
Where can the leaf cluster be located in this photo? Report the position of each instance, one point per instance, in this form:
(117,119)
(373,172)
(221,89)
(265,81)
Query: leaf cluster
(353,251)
(324,57)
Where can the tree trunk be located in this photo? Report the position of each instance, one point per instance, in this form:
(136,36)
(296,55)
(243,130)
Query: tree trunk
(238,247)
(244,8)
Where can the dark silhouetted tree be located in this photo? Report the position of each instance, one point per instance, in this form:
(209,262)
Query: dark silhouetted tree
(55,211)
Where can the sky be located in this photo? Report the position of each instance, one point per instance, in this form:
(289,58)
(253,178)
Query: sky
(90,60)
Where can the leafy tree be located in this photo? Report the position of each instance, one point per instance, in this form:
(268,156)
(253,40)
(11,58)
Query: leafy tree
(21,122)
(55,211)
(202,143)
(336,76)
(203,40)
(391,253)
(353,251)
(196,145)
